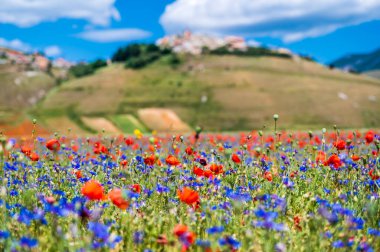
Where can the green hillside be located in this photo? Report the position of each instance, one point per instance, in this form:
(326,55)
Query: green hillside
(241,93)
(21,89)
(238,93)
(375,73)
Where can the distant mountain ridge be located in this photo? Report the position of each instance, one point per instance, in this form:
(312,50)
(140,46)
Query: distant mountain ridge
(359,62)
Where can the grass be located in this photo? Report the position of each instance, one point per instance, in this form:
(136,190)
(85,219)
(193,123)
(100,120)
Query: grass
(128,123)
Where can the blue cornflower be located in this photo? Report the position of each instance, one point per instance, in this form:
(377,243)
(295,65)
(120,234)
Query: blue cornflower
(100,230)
(215,229)
(4,234)
(338,244)
(28,242)
(372,231)
(138,237)
(330,216)
(229,241)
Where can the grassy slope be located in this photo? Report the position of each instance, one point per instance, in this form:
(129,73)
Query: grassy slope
(242,93)
(375,73)
(20,91)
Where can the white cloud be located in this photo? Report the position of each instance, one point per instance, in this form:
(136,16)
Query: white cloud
(114,35)
(26,13)
(290,20)
(15,44)
(52,51)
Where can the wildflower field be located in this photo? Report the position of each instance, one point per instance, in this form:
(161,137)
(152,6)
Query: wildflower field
(271,191)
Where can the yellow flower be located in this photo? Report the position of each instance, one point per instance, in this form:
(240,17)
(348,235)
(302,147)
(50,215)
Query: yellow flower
(138,133)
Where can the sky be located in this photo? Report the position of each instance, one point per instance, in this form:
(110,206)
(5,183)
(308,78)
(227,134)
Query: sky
(81,30)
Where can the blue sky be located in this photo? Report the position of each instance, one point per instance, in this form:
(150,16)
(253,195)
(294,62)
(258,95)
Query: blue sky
(85,30)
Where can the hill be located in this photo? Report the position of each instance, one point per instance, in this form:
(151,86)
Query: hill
(21,89)
(221,93)
(374,73)
(359,62)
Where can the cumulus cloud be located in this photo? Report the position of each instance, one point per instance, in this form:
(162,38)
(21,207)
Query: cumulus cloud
(290,20)
(26,13)
(52,51)
(114,35)
(15,44)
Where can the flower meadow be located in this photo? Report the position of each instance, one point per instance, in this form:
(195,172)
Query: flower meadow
(271,191)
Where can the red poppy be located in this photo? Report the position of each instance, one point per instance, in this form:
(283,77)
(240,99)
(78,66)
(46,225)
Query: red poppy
(373,175)
(334,160)
(136,188)
(236,159)
(93,190)
(188,196)
(198,171)
(53,145)
(116,196)
(355,158)
(34,157)
(100,148)
(78,174)
(26,150)
(208,174)
(180,229)
(123,162)
(321,157)
(172,160)
(75,148)
(268,176)
(297,221)
(216,169)
(189,151)
(369,136)
(340,145)
(129,141)
(150,160)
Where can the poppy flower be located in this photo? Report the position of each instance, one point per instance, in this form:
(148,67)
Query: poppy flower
(53,145)
(180,229)
(188,196)
(334,160)
(123,162)
(161,239)
(373,175)
(129,141)
(136,188)
(355,158)
(216,169)
(203,162)
(198,171)
(34,157)
(340,145)
(78,174)
(172,160)
(189,151)
(236,159)
(268,176)
(93,190)
(116,196)
(321,157)
(26,150)
(150,160)
(100,148)
(369,136)
(297,221)
(208,174)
